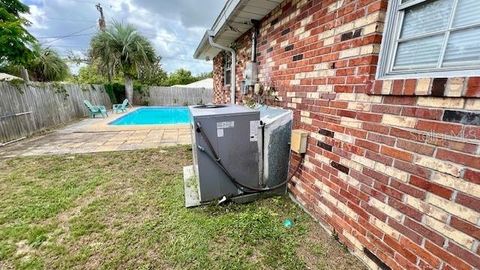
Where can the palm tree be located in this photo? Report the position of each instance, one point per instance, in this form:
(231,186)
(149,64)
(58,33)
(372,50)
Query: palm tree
(122,49)
(47,65)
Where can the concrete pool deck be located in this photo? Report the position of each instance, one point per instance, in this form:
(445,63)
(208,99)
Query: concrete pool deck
(96,135)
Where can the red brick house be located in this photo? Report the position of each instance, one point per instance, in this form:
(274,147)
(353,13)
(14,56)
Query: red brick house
(389,92)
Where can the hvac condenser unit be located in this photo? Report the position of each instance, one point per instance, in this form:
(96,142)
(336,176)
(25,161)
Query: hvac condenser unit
(238,153)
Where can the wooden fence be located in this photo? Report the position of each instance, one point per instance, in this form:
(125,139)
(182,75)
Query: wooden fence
(26,109)
(179,96)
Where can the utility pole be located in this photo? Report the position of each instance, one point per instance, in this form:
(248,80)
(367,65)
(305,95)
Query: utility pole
(101,21)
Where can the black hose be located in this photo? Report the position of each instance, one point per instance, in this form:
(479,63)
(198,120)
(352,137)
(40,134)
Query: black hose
(227,173)
(292,175)
(215,158)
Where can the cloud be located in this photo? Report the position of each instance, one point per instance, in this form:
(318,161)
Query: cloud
(174,27)
(36,17)
(191,13)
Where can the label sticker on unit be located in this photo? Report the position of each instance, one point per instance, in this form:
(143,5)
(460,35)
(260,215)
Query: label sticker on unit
(254,130)
(227,124)
(220,132)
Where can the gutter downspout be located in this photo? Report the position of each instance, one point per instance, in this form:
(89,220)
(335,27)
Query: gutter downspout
(233,76)
(254,40)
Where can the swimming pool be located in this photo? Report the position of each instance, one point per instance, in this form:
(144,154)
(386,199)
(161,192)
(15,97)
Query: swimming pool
(155,116)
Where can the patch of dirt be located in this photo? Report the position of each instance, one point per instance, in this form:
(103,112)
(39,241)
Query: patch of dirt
(80,203)
(65,217)
(321,251)
(6,266)
(23,249)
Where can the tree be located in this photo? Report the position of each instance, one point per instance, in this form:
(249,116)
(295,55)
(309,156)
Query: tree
(89,75)
(15,40)
(153,76)
(183,76)
(47,65)
(122,49)
(204,75)
(180,77)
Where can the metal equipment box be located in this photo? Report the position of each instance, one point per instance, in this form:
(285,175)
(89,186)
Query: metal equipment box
(251,73)
(299,141)
(233,133)
(274,143)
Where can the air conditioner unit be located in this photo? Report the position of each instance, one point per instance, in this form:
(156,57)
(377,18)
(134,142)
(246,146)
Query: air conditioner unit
(238,153)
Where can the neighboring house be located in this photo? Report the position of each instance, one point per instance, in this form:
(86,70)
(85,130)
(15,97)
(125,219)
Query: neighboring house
(393,163)
(205,83)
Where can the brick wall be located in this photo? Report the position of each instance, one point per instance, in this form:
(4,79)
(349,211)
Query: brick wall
(392,167)
(219,89)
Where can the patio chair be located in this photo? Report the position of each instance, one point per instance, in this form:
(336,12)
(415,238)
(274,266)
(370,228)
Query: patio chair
(121,107)
(94,110)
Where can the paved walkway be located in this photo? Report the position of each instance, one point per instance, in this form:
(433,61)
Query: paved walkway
(95,135)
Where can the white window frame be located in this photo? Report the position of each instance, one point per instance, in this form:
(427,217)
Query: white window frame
(391,36)
(227,67)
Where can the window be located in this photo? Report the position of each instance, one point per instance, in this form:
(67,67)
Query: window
(431,38)
(227,69)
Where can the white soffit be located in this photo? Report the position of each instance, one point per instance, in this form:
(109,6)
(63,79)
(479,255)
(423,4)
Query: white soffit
(233,22)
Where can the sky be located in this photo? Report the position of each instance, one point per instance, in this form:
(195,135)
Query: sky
(175,27)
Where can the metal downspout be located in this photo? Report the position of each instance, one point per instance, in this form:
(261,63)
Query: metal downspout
(254,40)
(233,77)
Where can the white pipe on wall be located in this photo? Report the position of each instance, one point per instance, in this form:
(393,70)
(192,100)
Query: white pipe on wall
(233,76)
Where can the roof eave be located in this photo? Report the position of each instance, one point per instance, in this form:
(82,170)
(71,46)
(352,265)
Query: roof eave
(227,26)
(201,46)
(228,9)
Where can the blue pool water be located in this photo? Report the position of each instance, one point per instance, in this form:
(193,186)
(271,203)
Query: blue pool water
(155,116)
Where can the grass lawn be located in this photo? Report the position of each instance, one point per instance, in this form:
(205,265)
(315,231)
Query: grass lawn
(125,210)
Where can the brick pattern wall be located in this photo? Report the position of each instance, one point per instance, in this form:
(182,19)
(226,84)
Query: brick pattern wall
(219,89)
(393,167)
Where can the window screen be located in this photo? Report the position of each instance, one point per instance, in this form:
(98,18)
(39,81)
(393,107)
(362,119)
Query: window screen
(436,37)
